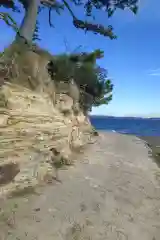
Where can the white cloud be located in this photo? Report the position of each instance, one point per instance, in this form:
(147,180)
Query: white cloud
(154,72)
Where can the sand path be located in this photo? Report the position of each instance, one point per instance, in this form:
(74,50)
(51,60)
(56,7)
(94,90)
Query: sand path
(113,193)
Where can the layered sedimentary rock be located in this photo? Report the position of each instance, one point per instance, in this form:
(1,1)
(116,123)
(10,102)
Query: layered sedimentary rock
(34,117)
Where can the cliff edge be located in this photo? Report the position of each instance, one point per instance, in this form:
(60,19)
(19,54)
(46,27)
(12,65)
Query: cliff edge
(36,114)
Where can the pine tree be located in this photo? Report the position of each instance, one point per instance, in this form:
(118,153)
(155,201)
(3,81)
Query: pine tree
(28,29)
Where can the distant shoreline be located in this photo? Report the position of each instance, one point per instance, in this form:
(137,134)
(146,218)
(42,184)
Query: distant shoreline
(132,126)
(127,117)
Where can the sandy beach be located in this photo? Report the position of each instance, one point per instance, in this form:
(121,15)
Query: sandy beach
(111,192)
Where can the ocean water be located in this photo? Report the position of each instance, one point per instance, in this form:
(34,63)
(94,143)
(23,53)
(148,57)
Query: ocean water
(128,125)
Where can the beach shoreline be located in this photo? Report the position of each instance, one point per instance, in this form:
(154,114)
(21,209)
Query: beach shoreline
(151,142)
(154,144)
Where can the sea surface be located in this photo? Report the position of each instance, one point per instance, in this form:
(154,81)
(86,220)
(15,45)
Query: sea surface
(128,125)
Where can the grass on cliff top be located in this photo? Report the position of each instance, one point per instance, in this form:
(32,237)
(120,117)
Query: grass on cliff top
(22,48)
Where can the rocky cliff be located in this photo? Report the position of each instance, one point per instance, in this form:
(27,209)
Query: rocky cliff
(35,117)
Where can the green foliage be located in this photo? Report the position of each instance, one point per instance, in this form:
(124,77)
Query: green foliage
(36,33)
(108,6)
(62,68)
(87,58)
(88,76)
(81,67)
(104,94)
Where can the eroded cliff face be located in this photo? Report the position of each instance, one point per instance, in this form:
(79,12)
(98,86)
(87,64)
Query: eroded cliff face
(33,119)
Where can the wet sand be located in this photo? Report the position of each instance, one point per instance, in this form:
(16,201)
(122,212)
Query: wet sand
(154,144)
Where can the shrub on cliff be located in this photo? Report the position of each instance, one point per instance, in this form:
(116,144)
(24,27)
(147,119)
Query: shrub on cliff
(89,77)
(95,87)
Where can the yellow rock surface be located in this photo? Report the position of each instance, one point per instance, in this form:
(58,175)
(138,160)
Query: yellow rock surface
(30,124)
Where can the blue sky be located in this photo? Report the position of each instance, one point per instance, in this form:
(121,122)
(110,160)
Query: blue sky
(132,61)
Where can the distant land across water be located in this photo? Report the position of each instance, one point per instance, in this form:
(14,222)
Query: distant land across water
(138,126)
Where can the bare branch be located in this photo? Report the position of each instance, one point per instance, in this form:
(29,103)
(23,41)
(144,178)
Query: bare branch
(9,21)
(69,9)
(50,21)
(66,44)
(52,4)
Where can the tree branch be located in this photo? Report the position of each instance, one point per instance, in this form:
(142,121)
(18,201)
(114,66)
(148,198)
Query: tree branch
(96,28)
(87,26)
(50,21)
(9,21)
(52,4)
(69,9)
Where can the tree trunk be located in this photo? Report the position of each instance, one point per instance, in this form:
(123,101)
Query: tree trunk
(28,24)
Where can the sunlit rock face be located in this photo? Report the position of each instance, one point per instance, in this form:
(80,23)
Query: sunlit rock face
(33,119)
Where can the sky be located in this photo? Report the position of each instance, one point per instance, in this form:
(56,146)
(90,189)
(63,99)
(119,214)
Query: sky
(132,60)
